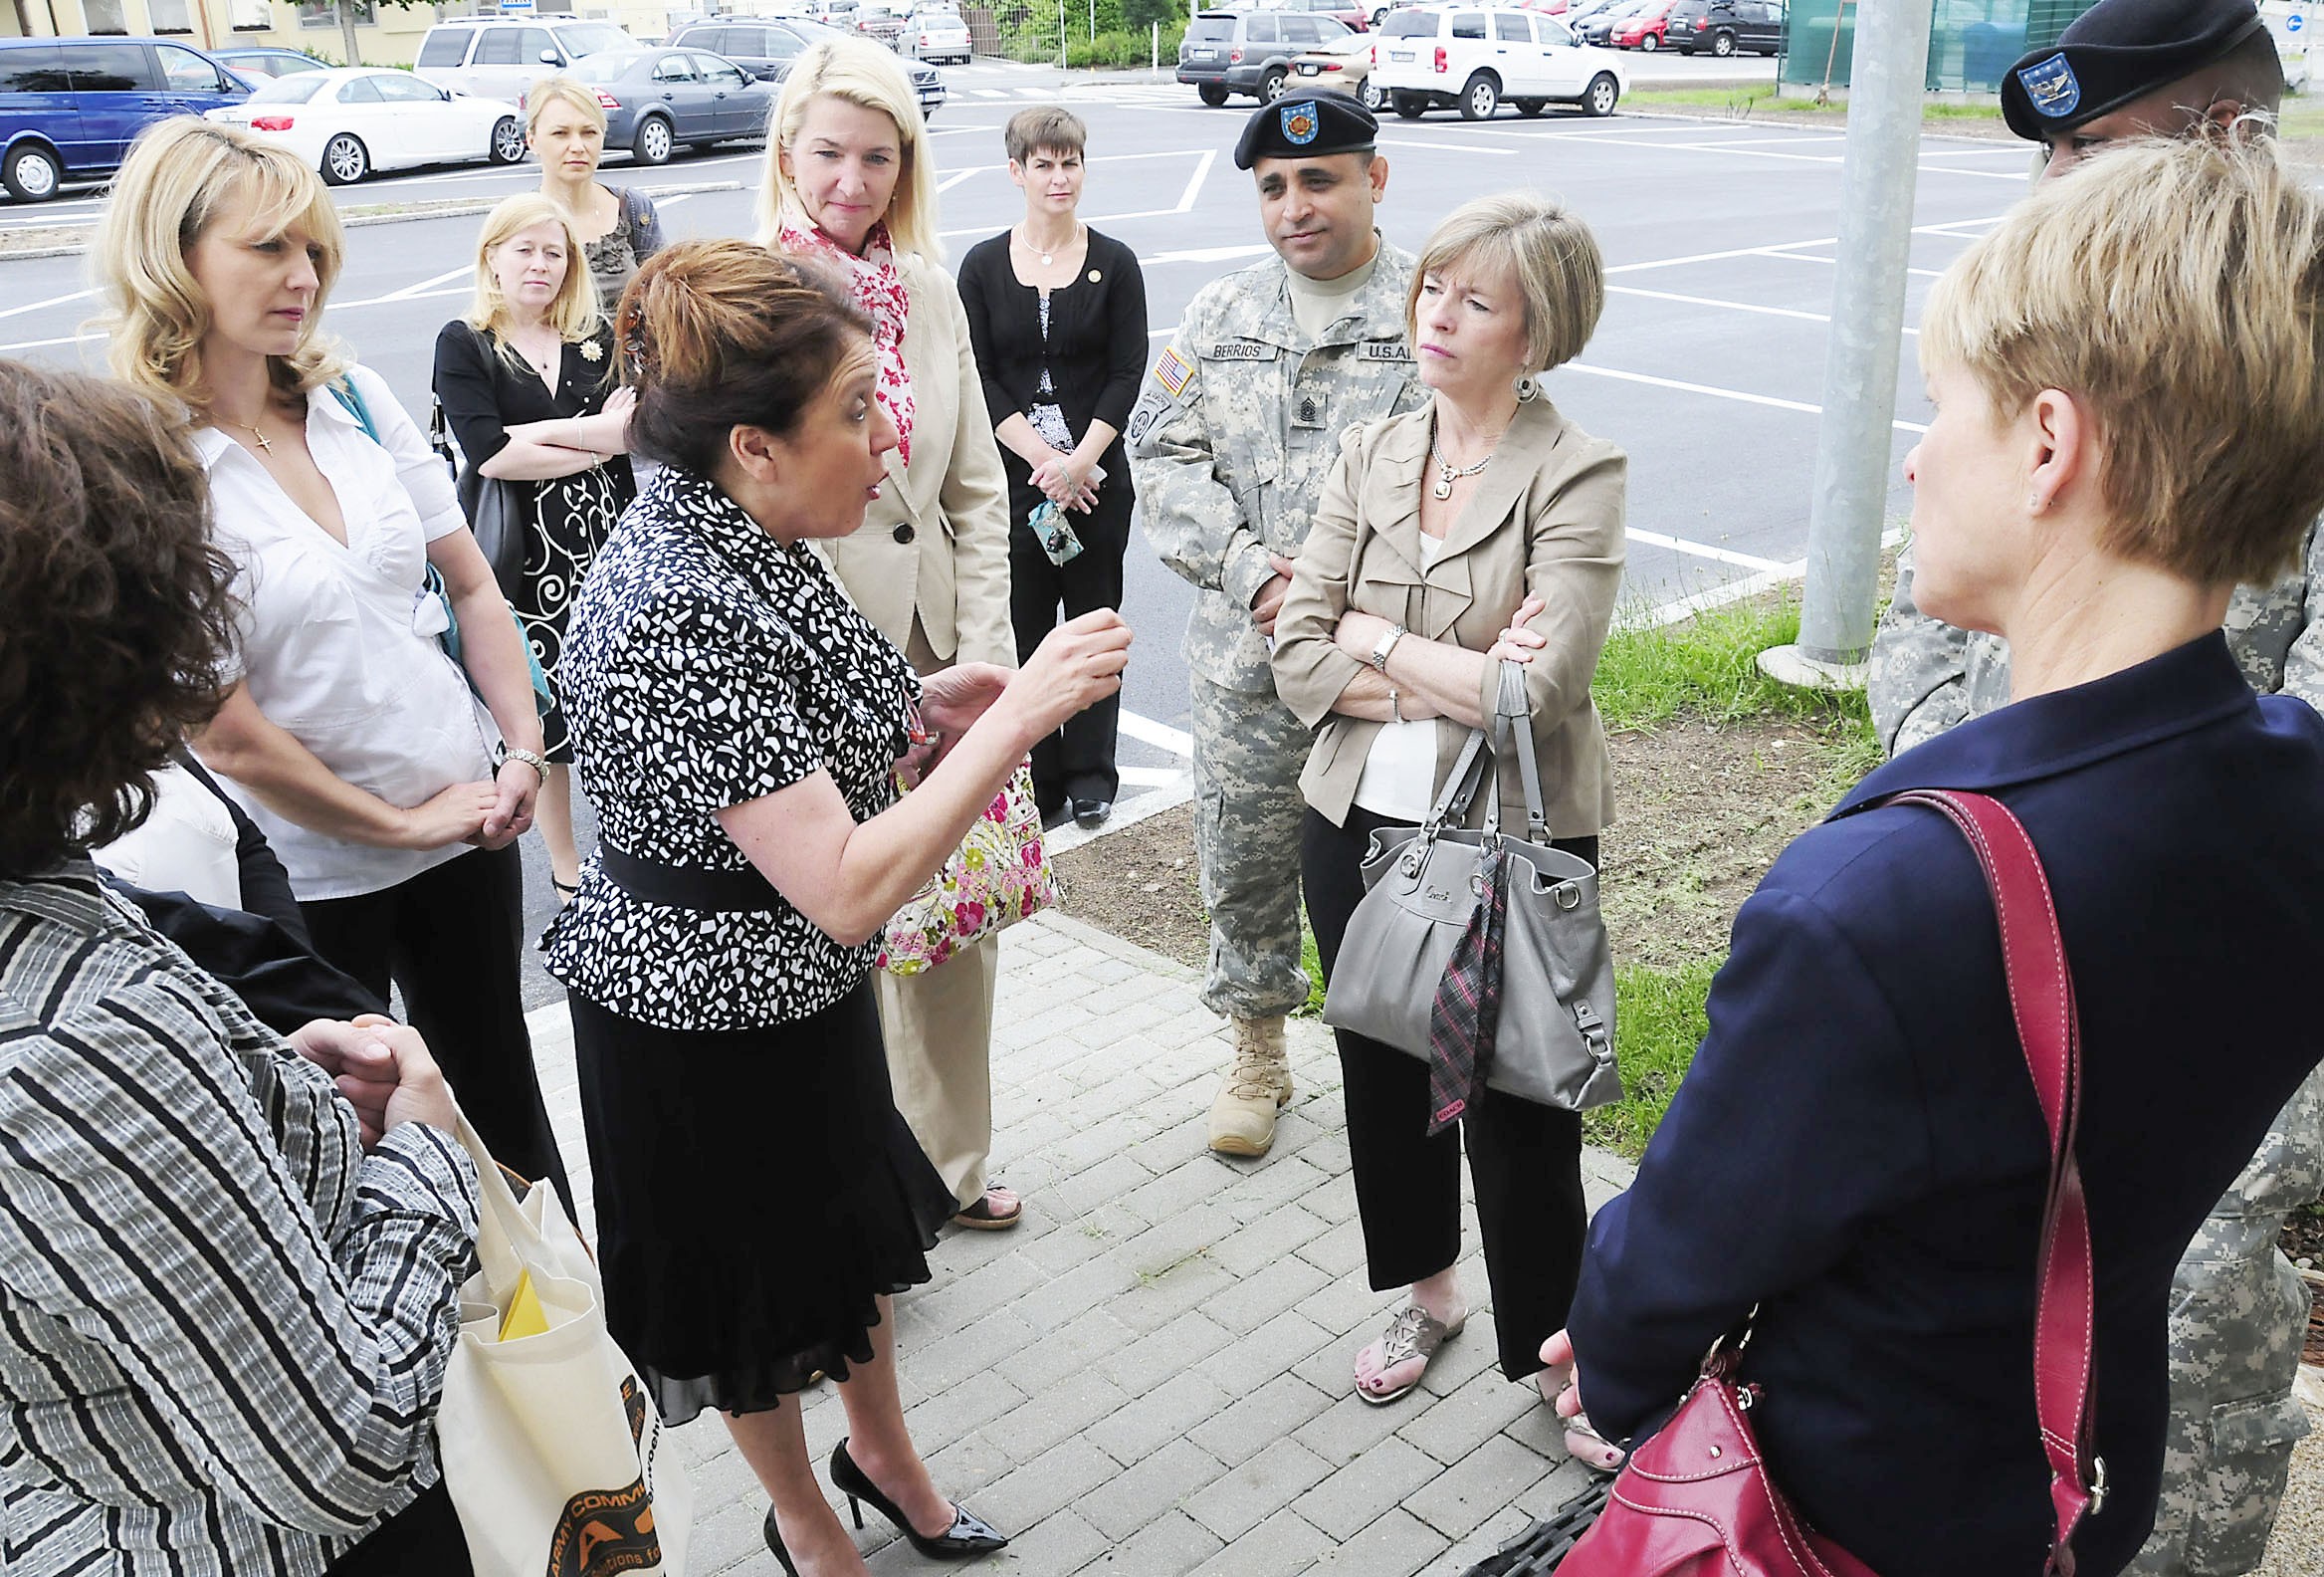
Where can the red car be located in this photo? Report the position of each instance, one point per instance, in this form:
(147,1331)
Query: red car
(1643,29)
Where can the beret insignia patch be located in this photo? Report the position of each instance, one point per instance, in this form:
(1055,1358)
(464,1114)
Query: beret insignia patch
(2051,85)
(1299,124)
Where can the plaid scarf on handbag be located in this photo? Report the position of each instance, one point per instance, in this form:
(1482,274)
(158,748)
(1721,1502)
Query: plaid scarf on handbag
(1465,1018)
(878,289)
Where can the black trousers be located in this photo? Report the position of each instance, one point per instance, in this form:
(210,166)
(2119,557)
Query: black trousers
(1526,1159)
(451,938)
(1077,762)
(424,1536)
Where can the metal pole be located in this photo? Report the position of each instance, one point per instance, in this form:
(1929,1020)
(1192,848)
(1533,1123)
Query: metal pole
(1854,440)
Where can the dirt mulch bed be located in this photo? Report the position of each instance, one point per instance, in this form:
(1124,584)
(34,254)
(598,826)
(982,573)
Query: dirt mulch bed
(1702,813)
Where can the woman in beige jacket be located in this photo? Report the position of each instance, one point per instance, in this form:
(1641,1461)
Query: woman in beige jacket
(848,182)
(1442,534)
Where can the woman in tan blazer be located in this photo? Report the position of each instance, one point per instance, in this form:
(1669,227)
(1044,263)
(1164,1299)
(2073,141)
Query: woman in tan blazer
(848,182)
(1441,533)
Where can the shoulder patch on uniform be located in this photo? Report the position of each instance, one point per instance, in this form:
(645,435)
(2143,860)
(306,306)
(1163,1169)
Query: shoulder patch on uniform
(1171,370)
(1384,350)
(1142,416)
(1239,351)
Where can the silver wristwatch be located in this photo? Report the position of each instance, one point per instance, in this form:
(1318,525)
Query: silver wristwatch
(1388,643)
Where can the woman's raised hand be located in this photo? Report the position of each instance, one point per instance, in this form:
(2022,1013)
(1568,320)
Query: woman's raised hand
(1517,643)
(621,402)
(1078,664)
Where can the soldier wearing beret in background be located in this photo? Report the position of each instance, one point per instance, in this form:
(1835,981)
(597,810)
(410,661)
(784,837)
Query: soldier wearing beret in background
(2171,68)
(1231,439)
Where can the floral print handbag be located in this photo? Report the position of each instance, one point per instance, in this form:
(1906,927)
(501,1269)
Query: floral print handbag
(998,875)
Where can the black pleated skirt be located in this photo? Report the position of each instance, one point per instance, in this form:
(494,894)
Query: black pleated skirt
(757,1191)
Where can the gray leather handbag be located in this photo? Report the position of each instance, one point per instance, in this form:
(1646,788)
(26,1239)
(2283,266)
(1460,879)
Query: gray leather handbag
(1554,1045)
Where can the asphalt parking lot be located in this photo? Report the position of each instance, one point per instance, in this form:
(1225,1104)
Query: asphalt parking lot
(1707,367)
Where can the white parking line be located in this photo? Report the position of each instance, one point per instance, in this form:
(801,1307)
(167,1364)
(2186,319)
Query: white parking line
(1751,585)
(1730,306)
(1804,257)
(1716,392)
(1160,735)
(1702,550)
(53,300)
(419,288)
(1446,148)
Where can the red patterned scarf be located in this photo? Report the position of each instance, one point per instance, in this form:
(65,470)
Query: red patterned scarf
(878,289)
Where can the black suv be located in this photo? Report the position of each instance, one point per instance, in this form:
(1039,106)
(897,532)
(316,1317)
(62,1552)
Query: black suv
(765,48)
(1249,51)
(1724,26)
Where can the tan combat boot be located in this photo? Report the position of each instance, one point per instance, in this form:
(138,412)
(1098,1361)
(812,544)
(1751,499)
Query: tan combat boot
(1243,1118)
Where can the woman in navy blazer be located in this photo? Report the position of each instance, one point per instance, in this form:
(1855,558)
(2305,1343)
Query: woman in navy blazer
(2130,417)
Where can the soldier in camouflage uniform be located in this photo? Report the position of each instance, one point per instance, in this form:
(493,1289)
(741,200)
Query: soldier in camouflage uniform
(1232,436)
(2239,1309)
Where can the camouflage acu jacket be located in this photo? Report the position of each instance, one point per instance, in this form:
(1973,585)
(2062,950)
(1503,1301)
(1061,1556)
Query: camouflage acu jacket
(1238,425)
(1927,676)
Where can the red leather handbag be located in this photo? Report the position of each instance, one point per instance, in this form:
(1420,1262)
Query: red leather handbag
(1697,1499)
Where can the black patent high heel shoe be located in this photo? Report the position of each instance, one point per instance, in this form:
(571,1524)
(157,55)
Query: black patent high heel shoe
(775,1543)
(968,1535)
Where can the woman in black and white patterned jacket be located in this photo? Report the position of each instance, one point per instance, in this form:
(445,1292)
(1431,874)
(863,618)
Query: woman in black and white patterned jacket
(737,723)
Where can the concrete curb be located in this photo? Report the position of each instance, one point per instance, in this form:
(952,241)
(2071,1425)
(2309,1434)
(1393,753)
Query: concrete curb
(448,209)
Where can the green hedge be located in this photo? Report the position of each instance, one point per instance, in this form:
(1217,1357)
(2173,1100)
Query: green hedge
(1124,48)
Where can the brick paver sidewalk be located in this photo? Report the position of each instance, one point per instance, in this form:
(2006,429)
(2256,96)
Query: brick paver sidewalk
(1150,1375)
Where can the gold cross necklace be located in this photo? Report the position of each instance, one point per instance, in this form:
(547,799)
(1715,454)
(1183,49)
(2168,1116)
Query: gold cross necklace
(266,445)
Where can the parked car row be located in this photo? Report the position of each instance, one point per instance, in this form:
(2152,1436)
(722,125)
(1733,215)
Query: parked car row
(656,101)
(1250,52)
(767,48)
(1713,27)
(348,122)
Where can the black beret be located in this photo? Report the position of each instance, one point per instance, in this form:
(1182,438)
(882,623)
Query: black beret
(1308,127)
(2117,51)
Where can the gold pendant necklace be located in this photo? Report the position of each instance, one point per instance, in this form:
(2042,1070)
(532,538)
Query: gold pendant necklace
(265,444)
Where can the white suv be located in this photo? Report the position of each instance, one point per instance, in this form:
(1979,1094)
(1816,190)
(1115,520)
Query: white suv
(503,56)
(1477,58)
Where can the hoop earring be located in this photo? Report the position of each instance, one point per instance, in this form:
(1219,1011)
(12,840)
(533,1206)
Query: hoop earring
(1526,388)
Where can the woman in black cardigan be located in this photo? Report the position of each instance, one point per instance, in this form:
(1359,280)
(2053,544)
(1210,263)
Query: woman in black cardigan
(1057,314)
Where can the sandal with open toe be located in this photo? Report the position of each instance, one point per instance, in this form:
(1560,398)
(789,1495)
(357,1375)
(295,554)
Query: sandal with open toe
(1415,1333)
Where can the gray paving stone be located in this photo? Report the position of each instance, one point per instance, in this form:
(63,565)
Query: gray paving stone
(1059,1544)
(1057,1412)
(1397,1545)
(1181,1344)
(1254,1421)
(1172,1295)
(963,1468)
(1165,1548)
(1258,1488)
(1353,1426)
(1056,1478)
(1165,1414)
(1257,1356)
(1178,1237)
(1059,1300)
(1457,1362)
(1259,1296)
(1476,1487)
(1046,1358)
(1139,1495)
(1338,1252)
(952,1412)
(1265,1239)
(1464,1421)
(982,1345)
(1375,1482)
(1282,1546)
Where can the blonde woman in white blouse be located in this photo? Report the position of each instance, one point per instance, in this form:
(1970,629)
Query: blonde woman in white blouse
(352,739)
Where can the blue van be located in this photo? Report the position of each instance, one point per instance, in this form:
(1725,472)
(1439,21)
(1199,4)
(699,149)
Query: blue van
(70,108)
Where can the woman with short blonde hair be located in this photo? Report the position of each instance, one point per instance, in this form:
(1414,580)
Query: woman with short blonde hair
(2128,375)
(392,791)
(849,184)
(1439,529)
(527,382)
(615,226)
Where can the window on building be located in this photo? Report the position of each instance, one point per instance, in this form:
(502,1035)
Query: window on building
(250,16)
(104,16)
(171,16)
(325,13)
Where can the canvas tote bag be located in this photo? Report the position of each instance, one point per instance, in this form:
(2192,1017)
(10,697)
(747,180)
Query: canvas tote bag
(554,1453)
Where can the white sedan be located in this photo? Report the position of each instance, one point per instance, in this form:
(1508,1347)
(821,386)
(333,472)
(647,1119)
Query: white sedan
(352,120)
(936,36)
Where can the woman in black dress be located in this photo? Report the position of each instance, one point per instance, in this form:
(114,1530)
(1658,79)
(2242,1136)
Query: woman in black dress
(1057,314)
(527,382)
(738,723)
